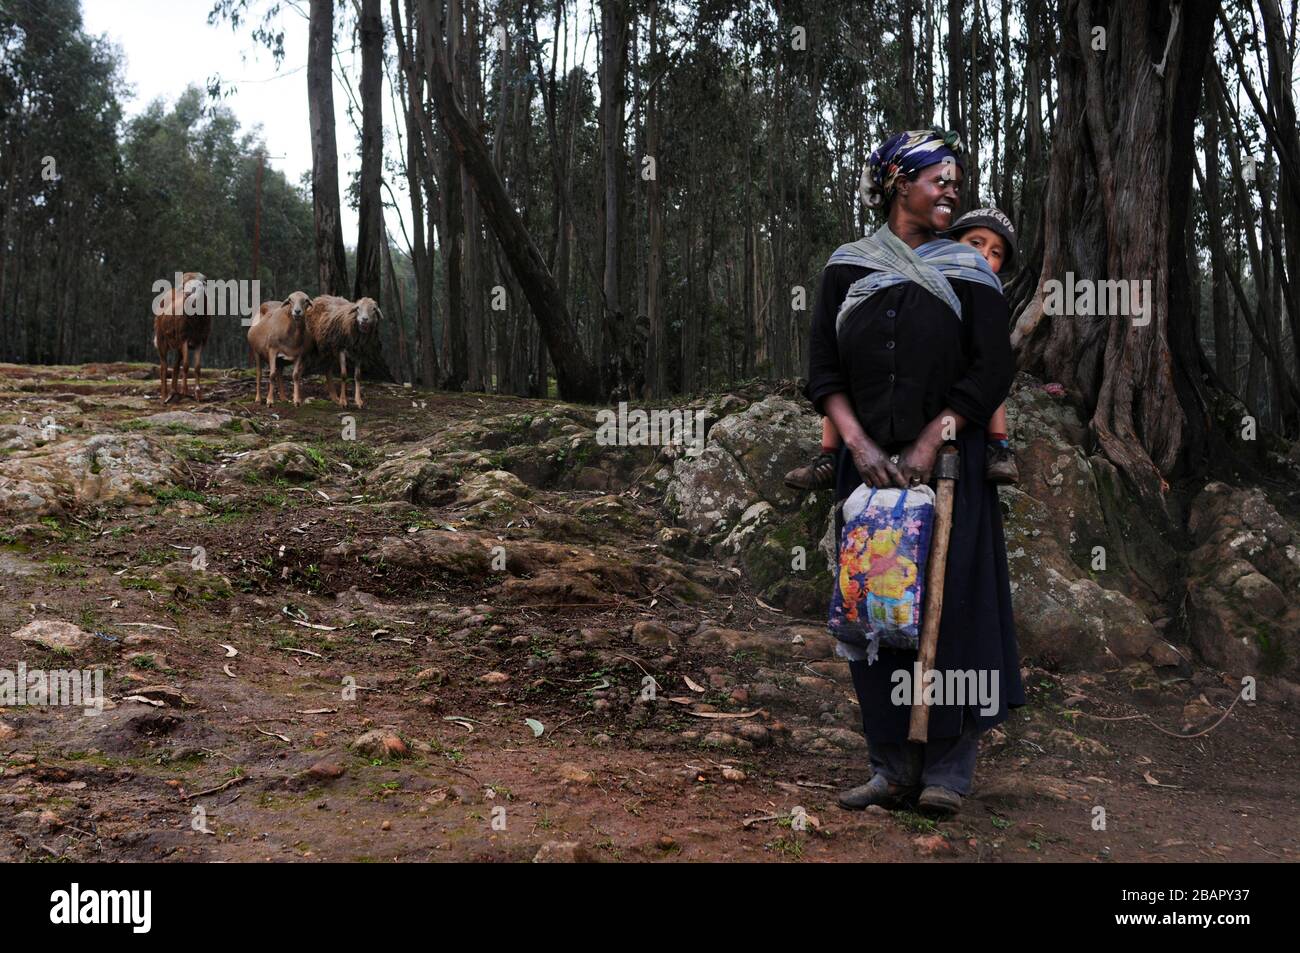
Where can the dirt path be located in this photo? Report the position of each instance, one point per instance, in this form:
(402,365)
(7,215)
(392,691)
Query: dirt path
(252,756)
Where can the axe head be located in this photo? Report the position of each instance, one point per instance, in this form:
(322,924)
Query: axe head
(948,466)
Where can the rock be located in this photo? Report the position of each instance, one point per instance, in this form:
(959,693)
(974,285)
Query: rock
(562,852)
(22,437)
(573,774)
(188,420)
(494,493)
(109,469)
(1243,583)
(185,509)
(378,743)
(418,476)
(287,460)
(456,554)
(6,731)
(744,461)
(322,772)
(934,845)
(733,774)
(494,678)
(652,635)
(720,739)
(54,635)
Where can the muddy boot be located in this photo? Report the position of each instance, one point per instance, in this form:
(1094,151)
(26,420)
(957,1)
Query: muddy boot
(937,800)
(1000,464)
(818,475)
(876,791)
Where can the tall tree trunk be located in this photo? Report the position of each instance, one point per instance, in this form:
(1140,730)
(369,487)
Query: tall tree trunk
(1109,217)
(330,261)
(616,360)
(447,23)
(370,230)
(1220,315)
(420,143)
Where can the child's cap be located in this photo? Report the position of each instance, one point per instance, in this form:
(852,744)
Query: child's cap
(992,219)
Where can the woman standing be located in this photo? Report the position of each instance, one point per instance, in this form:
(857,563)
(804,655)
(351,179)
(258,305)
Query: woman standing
(909,350)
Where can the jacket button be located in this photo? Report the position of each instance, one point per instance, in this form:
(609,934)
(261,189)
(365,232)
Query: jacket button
(889,345)
(891,378)
(889,313)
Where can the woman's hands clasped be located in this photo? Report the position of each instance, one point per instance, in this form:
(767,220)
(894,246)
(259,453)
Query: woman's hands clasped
(875,467)
(916,462)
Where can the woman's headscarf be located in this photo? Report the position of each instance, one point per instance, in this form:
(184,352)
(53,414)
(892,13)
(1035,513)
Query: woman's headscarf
(903,154)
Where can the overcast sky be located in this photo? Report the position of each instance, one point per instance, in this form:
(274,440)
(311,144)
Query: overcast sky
(168,45)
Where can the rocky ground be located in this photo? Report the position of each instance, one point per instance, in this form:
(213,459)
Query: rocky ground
(454,626)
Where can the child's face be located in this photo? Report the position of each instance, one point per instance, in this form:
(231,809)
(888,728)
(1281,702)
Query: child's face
(988,243)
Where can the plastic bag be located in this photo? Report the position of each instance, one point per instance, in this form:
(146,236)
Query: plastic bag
(880,579)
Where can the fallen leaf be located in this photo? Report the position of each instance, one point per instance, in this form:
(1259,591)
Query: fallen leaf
(537,726)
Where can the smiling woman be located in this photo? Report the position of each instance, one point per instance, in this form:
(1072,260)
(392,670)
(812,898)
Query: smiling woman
(909,351)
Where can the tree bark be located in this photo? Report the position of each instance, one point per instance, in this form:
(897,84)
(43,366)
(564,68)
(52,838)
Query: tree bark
(330,260)
(1118,193)
(370,230)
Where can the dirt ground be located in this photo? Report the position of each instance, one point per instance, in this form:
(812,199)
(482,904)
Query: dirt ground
(253,759)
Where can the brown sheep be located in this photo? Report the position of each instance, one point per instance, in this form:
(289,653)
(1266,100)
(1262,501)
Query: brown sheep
(338,328)
(280,330)
(175,330)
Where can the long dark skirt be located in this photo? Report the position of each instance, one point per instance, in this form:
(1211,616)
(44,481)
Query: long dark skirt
(977,632)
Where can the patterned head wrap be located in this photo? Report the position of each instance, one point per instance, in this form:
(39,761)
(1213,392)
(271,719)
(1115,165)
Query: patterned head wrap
(903,154)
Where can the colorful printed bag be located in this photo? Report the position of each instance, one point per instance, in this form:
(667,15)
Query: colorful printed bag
(881,567)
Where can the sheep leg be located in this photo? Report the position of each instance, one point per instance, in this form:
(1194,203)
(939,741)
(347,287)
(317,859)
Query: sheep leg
(257,394)
(271,374)
(343,378)
(185,368)
(198,373)
(162,373)
(356,382)
(329,382)
(176,377)
(297,382)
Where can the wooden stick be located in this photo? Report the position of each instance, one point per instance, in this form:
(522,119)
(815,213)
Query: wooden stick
(947,469)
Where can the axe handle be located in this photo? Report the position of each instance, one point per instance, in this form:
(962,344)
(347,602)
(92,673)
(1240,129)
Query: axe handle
(919,729)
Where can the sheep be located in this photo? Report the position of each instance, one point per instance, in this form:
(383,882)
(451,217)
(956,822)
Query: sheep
(176,330)
(280,330)
(339,327)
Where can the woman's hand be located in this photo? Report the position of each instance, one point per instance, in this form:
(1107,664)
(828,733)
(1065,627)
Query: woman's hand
(877,470)
(916,462)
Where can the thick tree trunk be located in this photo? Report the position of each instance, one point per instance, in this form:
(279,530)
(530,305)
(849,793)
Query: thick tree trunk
(575,374)
(330,260)
(1117,200)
